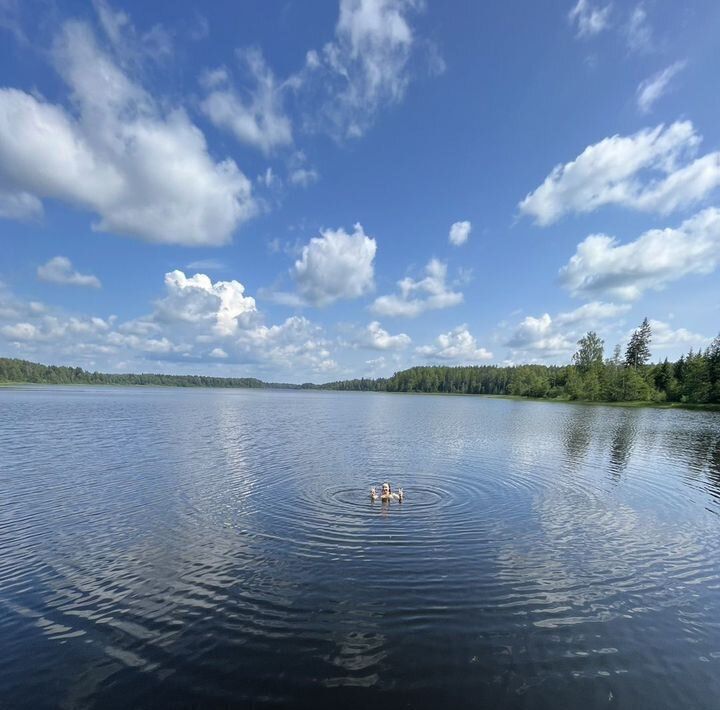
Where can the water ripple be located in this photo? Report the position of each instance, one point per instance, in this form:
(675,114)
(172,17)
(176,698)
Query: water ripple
(169,547)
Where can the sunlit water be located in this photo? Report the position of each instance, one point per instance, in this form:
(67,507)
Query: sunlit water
(200,548)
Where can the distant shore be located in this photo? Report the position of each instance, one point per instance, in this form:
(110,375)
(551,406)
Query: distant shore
(705,407)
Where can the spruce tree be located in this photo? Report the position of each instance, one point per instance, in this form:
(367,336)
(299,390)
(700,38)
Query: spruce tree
(638,349)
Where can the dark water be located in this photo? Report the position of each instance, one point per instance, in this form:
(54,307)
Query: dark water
(218,548)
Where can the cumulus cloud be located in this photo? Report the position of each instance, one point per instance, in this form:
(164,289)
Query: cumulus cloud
(416,297)
(541,336)
(197,299)
(601,265)
(650,170)
(59,270)
(589,19)
(294,342)
(197,322)
(376,337)
(664,337)
(549,337)
(652,89)
(458,345)
(143,168)
(336,266)
(259,119)
(459,233)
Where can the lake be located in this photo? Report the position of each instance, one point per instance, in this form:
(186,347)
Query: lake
(200,548)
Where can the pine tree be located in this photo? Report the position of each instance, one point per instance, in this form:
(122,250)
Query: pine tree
(638,349)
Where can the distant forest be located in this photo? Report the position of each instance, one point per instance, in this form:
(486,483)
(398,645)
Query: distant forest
(693,379)
(12,370)
(628,377)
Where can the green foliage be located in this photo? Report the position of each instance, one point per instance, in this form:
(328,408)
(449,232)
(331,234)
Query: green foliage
(590,353)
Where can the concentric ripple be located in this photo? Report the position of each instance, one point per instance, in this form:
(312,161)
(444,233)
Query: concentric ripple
(219,548)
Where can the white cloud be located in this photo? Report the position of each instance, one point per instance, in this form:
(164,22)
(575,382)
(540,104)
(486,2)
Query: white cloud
(459,233)
(336,266)
(339,89)
(130,45)
(197,322)
(601,265)
(299,173)
(376,337)
(19,205)
(663,337)
(650,90)
(20,331)
(618,170)
(197,299)
(143,168)
(589,19)
(303,176)
(458,344)
(364,68)
(293,343)
(542,337)
(259,120)
(207,265)
(637,31)
(592,313)
(59,270)
(416,297)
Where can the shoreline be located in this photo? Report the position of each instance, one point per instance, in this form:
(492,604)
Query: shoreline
(639,404)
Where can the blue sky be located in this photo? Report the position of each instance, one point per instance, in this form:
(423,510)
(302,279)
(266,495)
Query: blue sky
(315,191)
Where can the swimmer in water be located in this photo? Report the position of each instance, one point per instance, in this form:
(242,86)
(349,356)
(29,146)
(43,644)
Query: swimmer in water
(386,494)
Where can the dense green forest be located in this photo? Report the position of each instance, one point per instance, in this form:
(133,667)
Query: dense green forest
(693,379)
(25,371)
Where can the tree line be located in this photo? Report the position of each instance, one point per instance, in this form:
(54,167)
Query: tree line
(692,379)
(13,370)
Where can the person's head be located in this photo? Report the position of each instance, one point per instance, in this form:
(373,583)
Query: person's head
(386,488)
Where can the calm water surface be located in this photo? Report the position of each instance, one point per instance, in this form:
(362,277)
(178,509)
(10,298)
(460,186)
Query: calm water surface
(218,548)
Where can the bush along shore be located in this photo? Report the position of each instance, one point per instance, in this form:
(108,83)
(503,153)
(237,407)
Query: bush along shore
(694,379)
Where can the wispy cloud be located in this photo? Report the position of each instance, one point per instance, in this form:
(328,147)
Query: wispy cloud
(589,19)
(653,88)
(638,32)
